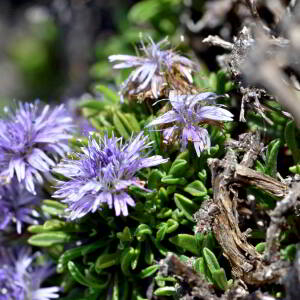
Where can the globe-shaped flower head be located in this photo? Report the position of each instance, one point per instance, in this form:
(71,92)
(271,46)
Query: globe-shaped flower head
(17,206)
(21,278)
(151,69)
(187,115)
(31,141)
(102,173)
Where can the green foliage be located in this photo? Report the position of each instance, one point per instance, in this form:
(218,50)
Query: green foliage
(289,252)
(107,256)
(124,251)
(270,165)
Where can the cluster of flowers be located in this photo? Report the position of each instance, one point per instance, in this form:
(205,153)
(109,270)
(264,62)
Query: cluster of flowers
(31,143)
(151,75)
(34,140)
(21,276)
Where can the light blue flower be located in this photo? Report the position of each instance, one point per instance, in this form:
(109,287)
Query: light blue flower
(102,173)
(150,68)
(21,277)
(186,116)
(17,206)
(31,142)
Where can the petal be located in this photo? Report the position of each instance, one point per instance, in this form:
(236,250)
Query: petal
(116,57)
(214,113)
(168,117)
(117,206)
(152,161)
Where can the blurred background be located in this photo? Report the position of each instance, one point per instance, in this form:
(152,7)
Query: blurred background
(56,50)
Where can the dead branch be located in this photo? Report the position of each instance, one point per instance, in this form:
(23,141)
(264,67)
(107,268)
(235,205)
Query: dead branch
(247,264)
(215,40)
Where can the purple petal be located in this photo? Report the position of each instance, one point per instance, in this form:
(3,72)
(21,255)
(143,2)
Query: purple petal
(168,117)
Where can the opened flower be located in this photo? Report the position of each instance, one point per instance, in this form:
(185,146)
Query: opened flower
(102,173)
(21,278)
(151,68)
(17,206)
(31,141)
(186,116)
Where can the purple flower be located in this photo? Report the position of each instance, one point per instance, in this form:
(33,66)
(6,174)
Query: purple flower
(151,68)
(186,115)
(17,206)
(31,141)
(102,174)
(21,278)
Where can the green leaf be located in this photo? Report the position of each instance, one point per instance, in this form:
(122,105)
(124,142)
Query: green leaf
(196,189)
(221,81)
(211,260)
(142,231)
(183,155)
(165,291)
(290,138)
(178,168)
(187,242)
(149,256)
(95,282)
(54,224)
(295,169)
(53,208)
(201,240)
(260,247)
(202,175)
(163,195)
(148,271)
(80,278)
(107,260)
(141,12)
(171,189)
(97,105)
(271,160)
(289,252)
(172,225)
(260,167)
(120,127)
(219,277)
(169,179)
(154,178)
(47,239)
(126,258)
(160,234)
(135,260)
(165,212)
(125,122)
(76,252)
(131,119)
(186,206)
(199,265)
(115,291)
(213,81)
(108,93)
(229,85)
(36,229)
(163,251)
(125,235)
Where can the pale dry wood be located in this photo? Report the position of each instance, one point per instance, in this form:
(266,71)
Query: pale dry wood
(228,175)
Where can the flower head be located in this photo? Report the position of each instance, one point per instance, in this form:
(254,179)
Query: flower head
(151,68)
(187,114)
(20,278)
(102,174)
(31,141)
(17,206)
